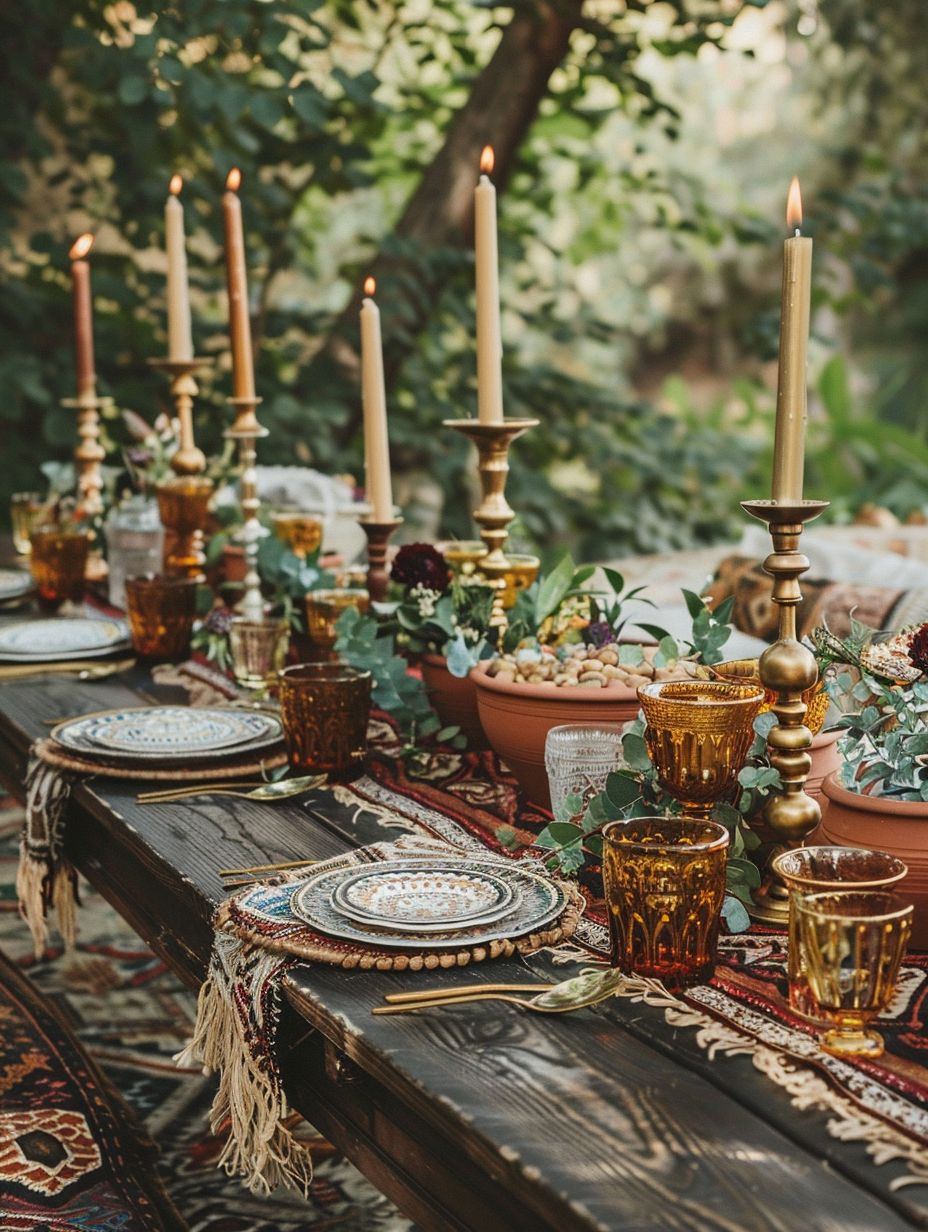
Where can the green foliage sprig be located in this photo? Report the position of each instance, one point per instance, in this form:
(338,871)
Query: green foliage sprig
(884,748)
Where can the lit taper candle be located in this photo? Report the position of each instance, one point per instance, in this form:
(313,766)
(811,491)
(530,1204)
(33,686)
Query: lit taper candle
(489,335)
(180,337)
(243,370)
(83,315)
(374,396)
(789,442)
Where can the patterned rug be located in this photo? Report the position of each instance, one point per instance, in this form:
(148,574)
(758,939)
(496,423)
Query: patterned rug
(132,1015)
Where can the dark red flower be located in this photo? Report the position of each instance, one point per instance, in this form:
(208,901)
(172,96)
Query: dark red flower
(598,634)
(918,649)
(419,564)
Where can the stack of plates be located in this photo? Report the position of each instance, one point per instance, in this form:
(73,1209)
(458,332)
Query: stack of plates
(165,736)
(428,903)
(65,637)
(15,587)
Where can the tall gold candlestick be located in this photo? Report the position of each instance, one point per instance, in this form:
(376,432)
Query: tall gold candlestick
(246,430)
(89,453)
(789,441)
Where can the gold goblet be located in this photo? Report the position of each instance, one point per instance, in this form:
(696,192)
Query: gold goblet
(747,671)
(522,571)
(462,555)
(698,734)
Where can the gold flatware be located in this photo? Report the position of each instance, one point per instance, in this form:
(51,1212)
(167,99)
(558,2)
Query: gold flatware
(281,790)
(264,868)
(587,988)
(483,996)
(465,990)
(78,668)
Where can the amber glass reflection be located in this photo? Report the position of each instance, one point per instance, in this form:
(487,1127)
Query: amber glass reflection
(852,943)
(326,708)
(747,671)
(323,608)
(301,532)
(59,564)
(519,576)
(808,869)
(161,612)
(698,736)
(25,508)
(665,882)
(258,649)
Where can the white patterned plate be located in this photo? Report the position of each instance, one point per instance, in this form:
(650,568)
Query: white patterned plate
(168,733)
(14,583)
(539,901)
(431,899)
(65,637)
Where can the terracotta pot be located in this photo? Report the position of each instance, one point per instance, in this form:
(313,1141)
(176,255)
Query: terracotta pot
(454,699)
(894,826)
(518,717)
(825,760)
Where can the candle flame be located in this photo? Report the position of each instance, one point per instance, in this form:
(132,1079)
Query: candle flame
(794,206)
(81,246)
(234,180)
(176,184)
(370,286)
(487,160)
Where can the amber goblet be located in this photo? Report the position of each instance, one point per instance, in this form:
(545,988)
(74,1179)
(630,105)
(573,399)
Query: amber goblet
(810,870)
(323,608)
(519,576)
(665,882)
(258,649)
(326,707)
(852,943)
(183,505)
(747,671)
(59,564)
(161,613)
(462,555)
(301,532)
(698,734)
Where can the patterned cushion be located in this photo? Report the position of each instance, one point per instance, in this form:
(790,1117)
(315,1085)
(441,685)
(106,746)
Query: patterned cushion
(71,1152)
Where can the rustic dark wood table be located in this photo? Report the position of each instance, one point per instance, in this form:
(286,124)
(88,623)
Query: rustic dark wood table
(479,1118)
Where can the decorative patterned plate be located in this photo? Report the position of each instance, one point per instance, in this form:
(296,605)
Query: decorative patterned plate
(14,583)
(168,733)
(66,637)
(539,902)
(433,899)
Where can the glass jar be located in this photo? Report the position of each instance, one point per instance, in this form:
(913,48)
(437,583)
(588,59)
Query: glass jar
(135,543)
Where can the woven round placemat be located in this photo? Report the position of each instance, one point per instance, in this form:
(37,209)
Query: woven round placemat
(262,917)
(62,759)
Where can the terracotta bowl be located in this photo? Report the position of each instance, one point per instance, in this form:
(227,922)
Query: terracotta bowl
(897,827)
(517,718)
(454,699)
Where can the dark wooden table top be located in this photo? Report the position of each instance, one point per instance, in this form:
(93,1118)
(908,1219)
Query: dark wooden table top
(478,1118)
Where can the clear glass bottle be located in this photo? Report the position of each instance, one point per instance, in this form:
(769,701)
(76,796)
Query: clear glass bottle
(135,543)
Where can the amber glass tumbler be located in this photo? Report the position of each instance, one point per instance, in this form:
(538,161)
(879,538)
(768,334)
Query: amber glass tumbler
(665,882)
(323,608)
(161,614)
(301,532)
(698,734)
(807,870)
(326,708)
(59,564)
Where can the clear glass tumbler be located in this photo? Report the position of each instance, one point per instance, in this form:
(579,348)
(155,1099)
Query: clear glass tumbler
(25,508)
(258,648)
(135,544)
(579,757)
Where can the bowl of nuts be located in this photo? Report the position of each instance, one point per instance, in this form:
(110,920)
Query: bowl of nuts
(521,696)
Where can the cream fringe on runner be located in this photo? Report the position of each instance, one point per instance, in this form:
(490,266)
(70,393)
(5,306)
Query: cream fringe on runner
(45,878)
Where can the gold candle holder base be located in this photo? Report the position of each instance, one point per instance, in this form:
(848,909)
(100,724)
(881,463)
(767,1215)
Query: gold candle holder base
(378,539)
(89,454)
(246,430)
(493,514)
(788,669)
(187,459)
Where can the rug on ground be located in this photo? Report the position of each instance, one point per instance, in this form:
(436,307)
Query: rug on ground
(132,1016)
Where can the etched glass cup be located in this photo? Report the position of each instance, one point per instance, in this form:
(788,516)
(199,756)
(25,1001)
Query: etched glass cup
(807,870)
(161,613)
(852,943)
(59,564)
(258,649)
(326,707)
(698,734)
(579,757)
(665,881)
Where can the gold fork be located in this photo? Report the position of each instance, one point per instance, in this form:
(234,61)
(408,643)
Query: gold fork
(437,1002)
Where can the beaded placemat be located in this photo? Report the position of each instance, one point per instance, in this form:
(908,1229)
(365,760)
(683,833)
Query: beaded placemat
(62,759)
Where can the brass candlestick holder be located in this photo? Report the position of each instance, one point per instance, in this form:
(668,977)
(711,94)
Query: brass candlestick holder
(247,430)
(183,502)
(378,539)
(494,514)
(788,669)
(89,453)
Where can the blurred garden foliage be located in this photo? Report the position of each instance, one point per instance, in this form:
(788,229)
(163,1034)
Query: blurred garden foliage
(639,242)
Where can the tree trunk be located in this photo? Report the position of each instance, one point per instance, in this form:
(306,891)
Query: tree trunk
(501,108)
